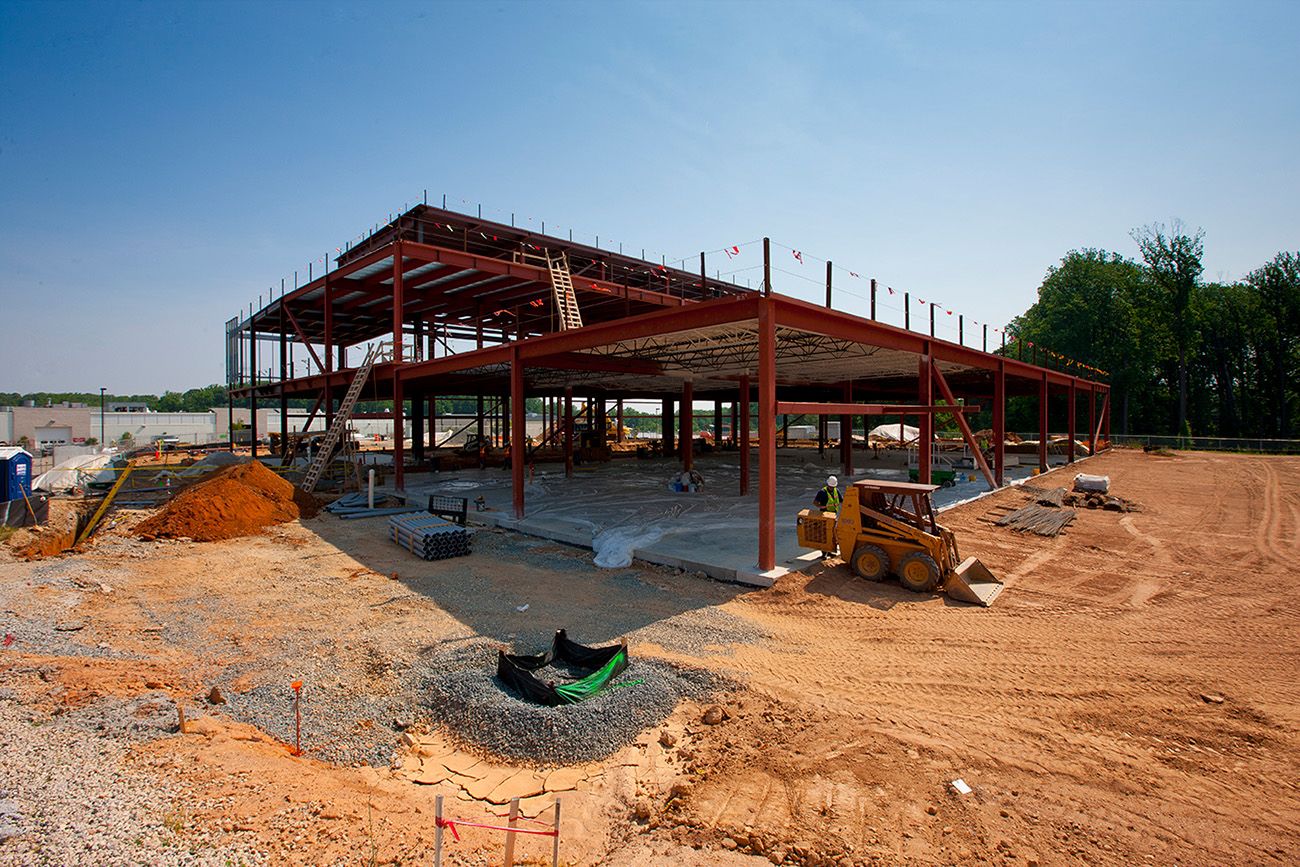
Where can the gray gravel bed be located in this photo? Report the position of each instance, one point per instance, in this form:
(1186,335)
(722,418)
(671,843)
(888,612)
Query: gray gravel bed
(145,718)
(338,725)
(70,798)
(702,632)
(461,691)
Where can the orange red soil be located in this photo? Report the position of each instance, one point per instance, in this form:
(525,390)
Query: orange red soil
(231,502)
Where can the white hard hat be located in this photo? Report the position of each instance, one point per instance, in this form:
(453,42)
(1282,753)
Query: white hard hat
(832,481)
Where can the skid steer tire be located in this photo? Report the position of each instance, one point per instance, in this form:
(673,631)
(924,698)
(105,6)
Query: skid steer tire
(918,572)
(870,562)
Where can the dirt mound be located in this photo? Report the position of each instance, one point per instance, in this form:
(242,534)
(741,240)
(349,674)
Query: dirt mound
(235,501)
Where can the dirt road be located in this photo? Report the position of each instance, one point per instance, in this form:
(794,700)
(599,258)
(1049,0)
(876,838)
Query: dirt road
(1131,698)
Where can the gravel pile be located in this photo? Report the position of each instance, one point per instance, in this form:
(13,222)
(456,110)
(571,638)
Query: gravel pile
(461,691)
(71,798)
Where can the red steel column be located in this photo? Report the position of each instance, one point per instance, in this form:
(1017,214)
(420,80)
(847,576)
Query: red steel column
(399,414)
(517,430)
(846,435)
(1000,423)
(284,395)
(417,427)
(329,350)
(687,437)
(666,426)
(925,396)
(620,421)
(1069,448)
(742,437)
(1092,421)
(252,394)
(568,431)
(766,434)
(1042,423)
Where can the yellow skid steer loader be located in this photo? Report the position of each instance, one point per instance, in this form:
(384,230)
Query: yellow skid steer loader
(877,533)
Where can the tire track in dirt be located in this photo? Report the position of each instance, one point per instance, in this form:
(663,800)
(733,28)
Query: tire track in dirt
(1278,503)
(1083,683)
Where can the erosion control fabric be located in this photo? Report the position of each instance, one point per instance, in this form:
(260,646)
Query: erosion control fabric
(604,663)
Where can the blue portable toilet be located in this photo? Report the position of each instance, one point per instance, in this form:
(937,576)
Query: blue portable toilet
(15,473)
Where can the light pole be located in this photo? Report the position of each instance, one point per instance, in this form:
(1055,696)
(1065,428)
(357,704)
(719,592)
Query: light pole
(102,444)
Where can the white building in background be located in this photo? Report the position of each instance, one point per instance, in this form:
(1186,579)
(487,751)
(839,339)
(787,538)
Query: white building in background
(73,424)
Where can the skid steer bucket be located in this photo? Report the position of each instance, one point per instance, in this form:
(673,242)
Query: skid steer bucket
(973,582)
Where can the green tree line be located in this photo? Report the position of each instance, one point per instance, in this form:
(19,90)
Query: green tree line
(1182,356)
(194,400)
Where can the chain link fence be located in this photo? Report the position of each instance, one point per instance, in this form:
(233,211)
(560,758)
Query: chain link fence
(1211,444)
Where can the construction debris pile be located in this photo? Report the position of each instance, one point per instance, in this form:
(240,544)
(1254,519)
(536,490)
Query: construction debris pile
(1051,511)
(1035,518)
(231,502)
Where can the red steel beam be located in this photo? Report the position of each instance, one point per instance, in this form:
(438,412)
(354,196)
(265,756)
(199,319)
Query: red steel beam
(606,364)
(702,315)
(803,316)
(1102,419)
(288,311)
(786,407)
(964,426)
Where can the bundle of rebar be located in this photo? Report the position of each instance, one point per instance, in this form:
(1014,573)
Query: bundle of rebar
(429,536)
(1038,519)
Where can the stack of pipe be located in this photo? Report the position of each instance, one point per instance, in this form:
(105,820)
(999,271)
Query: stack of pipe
(429,536)
(358,506)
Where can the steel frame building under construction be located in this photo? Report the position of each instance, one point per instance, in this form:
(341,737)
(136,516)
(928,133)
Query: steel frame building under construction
(551,318)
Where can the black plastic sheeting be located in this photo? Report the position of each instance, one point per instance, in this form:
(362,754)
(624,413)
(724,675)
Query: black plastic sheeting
(18,513)
(516,671)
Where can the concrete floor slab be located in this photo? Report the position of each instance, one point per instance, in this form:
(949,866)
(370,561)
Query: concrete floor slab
(624,508)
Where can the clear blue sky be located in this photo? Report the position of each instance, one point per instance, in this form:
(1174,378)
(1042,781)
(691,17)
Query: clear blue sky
(161,164)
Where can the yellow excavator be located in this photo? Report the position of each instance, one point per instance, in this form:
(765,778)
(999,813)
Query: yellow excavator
(889,527)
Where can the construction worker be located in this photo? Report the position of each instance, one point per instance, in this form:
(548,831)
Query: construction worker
(828,498)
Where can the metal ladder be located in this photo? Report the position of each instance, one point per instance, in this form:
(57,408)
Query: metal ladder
(341,419)
(566,302)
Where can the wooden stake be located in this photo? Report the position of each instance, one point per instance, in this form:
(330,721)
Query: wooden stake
(555,843)
(510,835)
(437,831)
